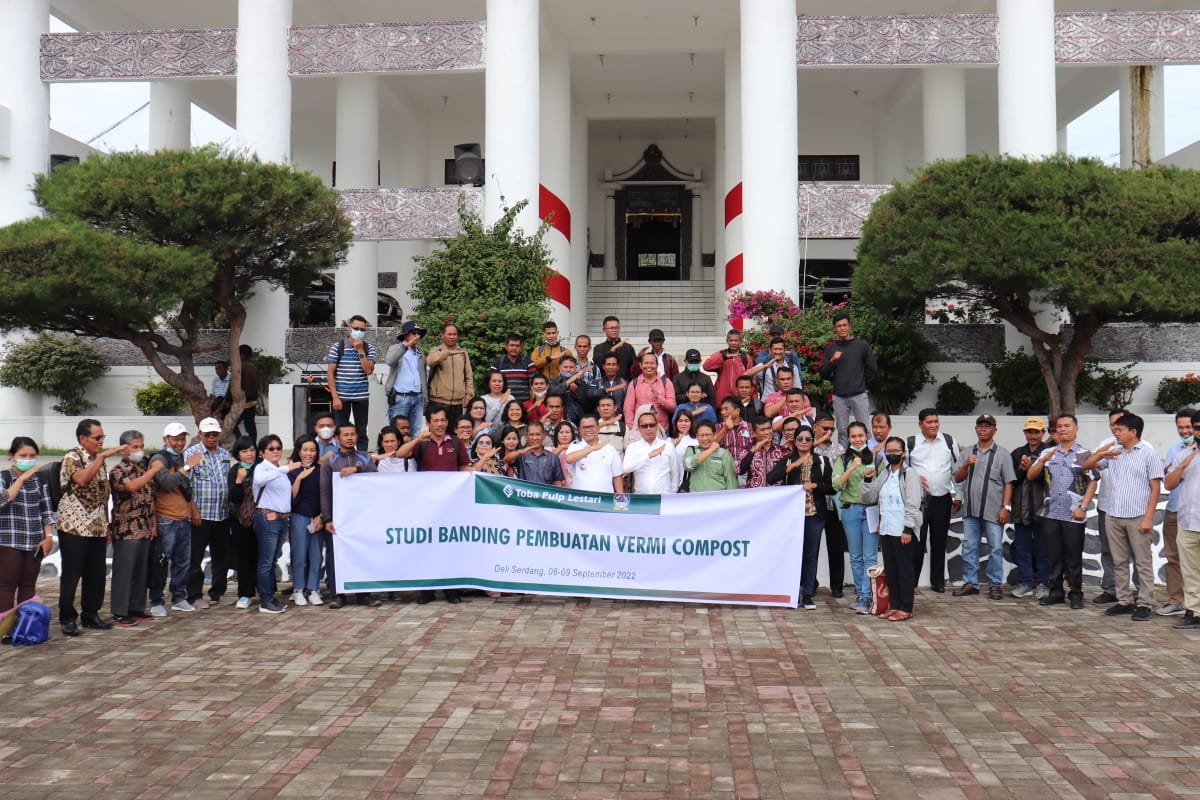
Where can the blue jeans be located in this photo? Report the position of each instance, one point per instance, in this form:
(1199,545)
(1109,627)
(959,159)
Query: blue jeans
(1029,551)
(814,526)
(973,530)
(863,546)
(306,555)
(270,533)
(411,407)
(176,536)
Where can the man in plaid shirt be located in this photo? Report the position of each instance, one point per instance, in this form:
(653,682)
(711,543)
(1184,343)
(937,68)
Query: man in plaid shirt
(210,493)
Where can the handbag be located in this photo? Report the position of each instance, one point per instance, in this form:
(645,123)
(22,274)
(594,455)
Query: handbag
(881,604)
(685,485)
(249,504)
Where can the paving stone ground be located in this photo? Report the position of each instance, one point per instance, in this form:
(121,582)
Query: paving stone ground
(535,697)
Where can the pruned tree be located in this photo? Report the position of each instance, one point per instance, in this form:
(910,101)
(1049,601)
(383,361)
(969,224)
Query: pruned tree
(151,247)
(1015,236)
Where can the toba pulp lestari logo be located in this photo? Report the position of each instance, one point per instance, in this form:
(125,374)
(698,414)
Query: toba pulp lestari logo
(512,492)
(509,491)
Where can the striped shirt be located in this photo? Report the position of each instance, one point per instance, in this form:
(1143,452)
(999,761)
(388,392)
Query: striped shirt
(517,372)
(1128,476)
(350,380)
(210,482)
(1188,491)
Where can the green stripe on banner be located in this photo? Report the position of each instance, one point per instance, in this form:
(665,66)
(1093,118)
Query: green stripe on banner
(497,491)
(569,589)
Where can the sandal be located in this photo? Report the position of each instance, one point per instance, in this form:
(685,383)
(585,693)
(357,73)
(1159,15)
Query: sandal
(899,616)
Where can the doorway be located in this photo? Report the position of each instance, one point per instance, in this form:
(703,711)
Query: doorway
(654,233)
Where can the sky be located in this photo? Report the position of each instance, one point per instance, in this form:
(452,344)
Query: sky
(115,116)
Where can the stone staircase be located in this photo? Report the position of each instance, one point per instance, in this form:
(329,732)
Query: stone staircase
(686,311)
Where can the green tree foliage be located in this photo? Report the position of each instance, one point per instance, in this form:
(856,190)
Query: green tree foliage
(145,247)
(1103,243)
(157,399)
(490,281)
(59,366)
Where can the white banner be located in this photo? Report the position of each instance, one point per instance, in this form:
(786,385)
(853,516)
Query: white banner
(440,530)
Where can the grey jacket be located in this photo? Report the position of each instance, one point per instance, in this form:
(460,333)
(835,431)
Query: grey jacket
(910,490)
(392,359)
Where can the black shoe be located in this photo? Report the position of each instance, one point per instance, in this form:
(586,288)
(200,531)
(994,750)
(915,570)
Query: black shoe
(373,602)
(995,593)
(1118,609)
(1053,600)
(1189,621)
(1141,614)
(140,615)
(1077,602)
(423,597)
(70,628)
(1104,598)
(938,589)
(95,623)
(838,593)
(337,602)
(124,622)
(453,598)
(966,590)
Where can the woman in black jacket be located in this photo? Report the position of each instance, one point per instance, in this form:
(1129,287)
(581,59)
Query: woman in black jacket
(245,543)
(803,467)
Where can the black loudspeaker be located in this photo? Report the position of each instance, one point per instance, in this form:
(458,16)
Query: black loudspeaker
(468,164)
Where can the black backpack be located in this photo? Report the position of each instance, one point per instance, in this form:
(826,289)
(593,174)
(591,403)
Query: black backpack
(51,477)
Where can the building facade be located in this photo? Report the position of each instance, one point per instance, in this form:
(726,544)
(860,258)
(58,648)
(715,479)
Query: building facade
(657,140)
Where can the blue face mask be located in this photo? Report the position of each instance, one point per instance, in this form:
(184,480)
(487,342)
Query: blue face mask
(358,335)
(1189,439)
(170,450)
(693,367)
(245,464)
(25,465)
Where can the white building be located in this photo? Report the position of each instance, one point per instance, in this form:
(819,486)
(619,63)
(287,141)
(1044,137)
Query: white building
(566,97)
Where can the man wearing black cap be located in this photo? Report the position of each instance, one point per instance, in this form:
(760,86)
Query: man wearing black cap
(692,374)
(985,471)
(667,366)
(408,387)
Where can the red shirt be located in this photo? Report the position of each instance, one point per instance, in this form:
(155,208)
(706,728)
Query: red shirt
(448,455)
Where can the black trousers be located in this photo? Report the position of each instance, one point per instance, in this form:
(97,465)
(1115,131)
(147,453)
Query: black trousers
(835,548)
(1064,547)
(214,535)
(359,410)
(933,539)
(83,559)
(245,555)
(898,563)
(248,422)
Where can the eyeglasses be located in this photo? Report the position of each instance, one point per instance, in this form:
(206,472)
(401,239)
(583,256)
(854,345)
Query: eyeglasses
(211,433)
(648,425)
(99,438)
(804,438)
(271,449)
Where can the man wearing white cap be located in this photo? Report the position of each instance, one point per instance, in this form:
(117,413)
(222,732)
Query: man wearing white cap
(210,496)
(173,509)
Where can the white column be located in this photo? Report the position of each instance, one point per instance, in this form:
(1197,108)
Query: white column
(729,191)
(610,235)
(356,153)
(581,268)
(944,112)
(511,88)
(1028,111)
(170,115)
(555,172)
(264,128)
(24,106)
(770,146)
(1063,140)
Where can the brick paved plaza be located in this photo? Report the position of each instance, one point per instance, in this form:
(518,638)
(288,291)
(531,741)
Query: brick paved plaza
(529,697)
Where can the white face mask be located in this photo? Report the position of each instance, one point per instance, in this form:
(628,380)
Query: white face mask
(137,455)
(325,433)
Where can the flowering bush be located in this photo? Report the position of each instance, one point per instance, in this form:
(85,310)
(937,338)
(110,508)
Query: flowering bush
(1176,393)
(901,352)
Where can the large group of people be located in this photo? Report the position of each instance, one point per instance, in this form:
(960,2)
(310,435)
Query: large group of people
(616,419)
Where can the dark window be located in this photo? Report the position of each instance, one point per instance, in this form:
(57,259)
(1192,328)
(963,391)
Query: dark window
(829,168)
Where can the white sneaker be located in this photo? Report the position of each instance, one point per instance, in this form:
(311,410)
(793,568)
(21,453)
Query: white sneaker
(182,605)
(158,611)
(243,603)
(201,603)
(1169,610)
(314,599)
(298,598)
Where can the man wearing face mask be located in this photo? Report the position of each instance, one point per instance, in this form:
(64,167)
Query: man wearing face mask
(133,529)
(174,512)
(692,374)
(350,361)
(323,430)
(576,388)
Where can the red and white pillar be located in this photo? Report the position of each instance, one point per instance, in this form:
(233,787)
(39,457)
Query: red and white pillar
(729,272)
(554,190)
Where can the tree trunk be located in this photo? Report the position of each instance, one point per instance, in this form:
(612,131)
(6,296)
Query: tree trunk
(1060,363)
(236,314)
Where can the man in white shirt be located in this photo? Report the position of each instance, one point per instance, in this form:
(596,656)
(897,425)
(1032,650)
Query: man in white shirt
(1108,580)
(597,466)
(652,461)
(933,455)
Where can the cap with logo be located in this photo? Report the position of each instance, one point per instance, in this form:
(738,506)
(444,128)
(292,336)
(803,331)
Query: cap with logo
(210,425)
(985,419)
(692,356)
(411,327)
(1034,424)
(174,429)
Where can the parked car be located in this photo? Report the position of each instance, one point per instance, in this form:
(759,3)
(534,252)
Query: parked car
(315,308)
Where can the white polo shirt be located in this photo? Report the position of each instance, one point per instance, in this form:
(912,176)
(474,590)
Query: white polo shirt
(595,471)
